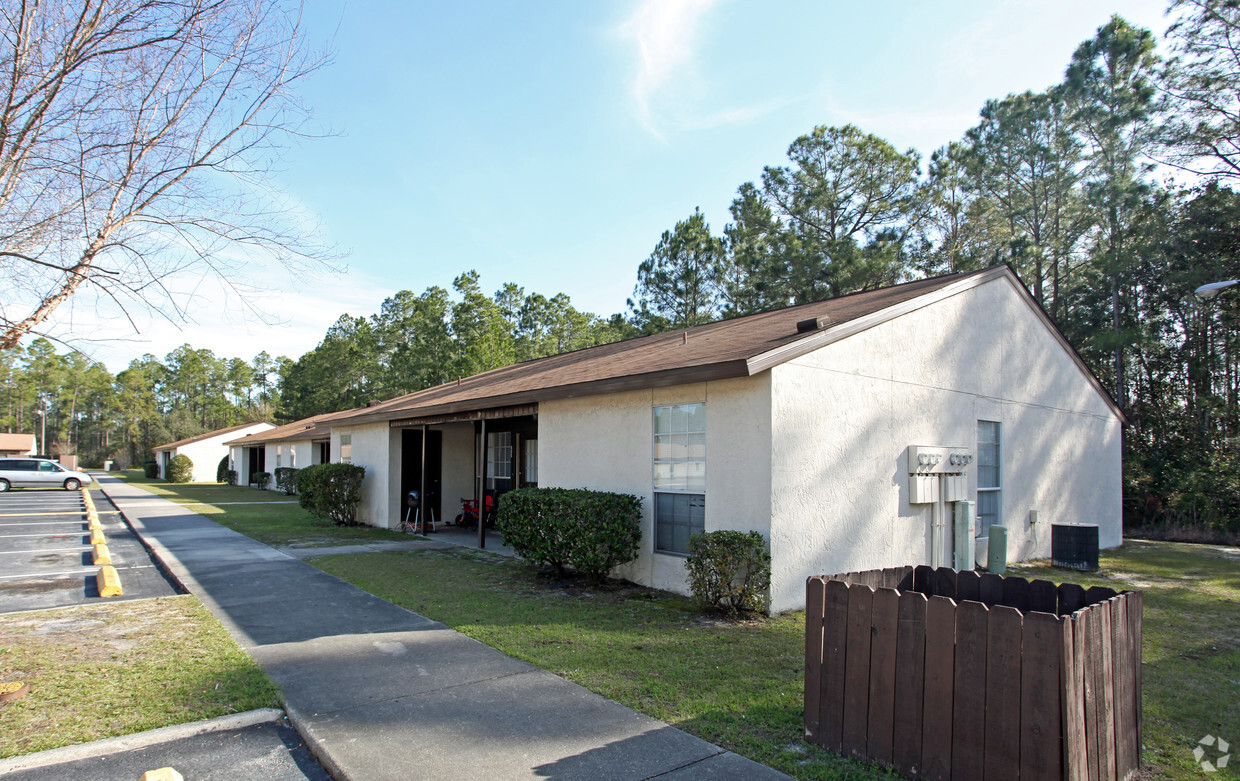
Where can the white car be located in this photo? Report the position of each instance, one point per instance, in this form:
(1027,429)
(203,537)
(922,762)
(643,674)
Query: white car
(39,473)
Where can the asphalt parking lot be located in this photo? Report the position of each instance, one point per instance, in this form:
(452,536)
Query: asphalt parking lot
(46,559)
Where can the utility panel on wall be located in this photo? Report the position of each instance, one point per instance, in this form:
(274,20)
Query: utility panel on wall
(936,471)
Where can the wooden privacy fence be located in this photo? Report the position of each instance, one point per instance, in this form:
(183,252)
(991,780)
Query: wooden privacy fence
(954,675)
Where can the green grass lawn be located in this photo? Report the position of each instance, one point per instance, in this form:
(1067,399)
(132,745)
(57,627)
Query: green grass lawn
(740,685)
(102,670)
(268,516)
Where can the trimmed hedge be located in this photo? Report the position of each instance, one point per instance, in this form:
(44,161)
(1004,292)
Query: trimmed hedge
(230,476)
(180,469)
(331,491)
(571,528)
(221,470)
(730,571)
(286,479)
(263,479)
(151,469)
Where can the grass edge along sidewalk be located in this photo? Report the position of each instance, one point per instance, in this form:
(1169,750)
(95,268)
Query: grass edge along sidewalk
(104,670)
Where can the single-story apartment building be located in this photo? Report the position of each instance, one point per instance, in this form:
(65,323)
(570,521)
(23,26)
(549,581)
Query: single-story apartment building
(843,431)
(297,444)
(205,450)
(17,445)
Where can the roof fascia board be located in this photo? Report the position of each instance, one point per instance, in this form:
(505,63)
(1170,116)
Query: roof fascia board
(683,376)
(783,354)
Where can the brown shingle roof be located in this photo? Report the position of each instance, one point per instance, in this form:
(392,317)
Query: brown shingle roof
(738,347)
(208,435)
(311,428)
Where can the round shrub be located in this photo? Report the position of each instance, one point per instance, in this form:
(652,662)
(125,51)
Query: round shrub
(730,571)
(221,470)
(180,469)
(151,469)
(263,479)
(331,491)
(588,531)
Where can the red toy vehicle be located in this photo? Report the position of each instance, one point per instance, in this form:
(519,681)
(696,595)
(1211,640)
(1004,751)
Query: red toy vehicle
(468,517)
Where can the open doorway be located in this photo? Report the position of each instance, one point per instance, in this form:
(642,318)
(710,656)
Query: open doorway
(411,474)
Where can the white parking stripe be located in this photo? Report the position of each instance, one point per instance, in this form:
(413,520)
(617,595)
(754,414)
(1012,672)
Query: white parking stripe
(44,550)
(83,570)
(45,534)
(46,523)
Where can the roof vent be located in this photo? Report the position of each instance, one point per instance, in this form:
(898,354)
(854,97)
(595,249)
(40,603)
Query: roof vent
(813,324)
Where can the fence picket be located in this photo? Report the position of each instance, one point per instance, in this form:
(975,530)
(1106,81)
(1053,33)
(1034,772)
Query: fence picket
(1125,730)
(1042,640)
(1071,598)
(1072,709)
(936,733)
(1043,597)
(857,669)
(815,590)
(910,683)
(1016,593)
(1136,609)
(883,675)
(1106,740)
(969,697)
(1089,621)
(968,586)
(923,580)
(1003,660)
(834,640)
(991,589)
(945,582)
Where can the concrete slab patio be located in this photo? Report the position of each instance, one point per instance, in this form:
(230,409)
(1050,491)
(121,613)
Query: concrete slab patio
(382,693)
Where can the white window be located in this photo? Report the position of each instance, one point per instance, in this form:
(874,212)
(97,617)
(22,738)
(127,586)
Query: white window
(530,458)
(346,448)
(989,477)
(679,476)
(292,455)
(279,455)
(499,460)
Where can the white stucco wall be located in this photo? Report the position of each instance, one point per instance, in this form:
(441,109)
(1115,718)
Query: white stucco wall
(845,415)
(606,443)
(376,447)
(206,453)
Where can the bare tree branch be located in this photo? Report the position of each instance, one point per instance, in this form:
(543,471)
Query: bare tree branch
(134,139)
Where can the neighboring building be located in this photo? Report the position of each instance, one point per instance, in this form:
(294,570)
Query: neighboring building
(17,445)
(297,444)
(797,423)
(205,450)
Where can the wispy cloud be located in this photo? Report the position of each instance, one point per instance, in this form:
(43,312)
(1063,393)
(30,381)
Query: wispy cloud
(665,32)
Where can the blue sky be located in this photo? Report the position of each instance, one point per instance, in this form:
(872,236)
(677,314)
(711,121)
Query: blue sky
(551,143)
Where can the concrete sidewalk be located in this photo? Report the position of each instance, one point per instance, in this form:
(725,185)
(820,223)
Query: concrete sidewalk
(379,692)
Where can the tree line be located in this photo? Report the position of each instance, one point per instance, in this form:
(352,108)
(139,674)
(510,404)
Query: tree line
(1108,192)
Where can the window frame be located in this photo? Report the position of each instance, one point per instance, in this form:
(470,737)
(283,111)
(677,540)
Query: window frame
(997,489)
(656,461)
